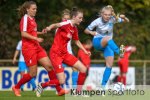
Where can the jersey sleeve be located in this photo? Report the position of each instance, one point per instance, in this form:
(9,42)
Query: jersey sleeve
(119,20)
(23,23)
(92,25)
(19,46)
(64,23)
(75,34)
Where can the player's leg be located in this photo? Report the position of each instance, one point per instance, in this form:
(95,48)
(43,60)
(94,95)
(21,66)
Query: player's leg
(32,81)
(22,71)
(46,63)
(123,71)
(109,58)
(32,64)
(108,41)
(74,62)
(74,77)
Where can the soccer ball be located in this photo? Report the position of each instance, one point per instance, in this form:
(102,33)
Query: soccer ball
(119,87)
(90,86)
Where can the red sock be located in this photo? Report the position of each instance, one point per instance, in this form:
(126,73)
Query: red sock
(26,77)
(124,80)
(119,79)
(81,79)
(50,83)
(52,76)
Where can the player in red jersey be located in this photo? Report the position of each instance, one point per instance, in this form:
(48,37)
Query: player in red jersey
(84,58)
(66,31)
(124,63)
(31,49)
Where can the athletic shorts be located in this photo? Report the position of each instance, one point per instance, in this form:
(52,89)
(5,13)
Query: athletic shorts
(107,51)
(31,56)
(57,60)
(123,65)
(22,66)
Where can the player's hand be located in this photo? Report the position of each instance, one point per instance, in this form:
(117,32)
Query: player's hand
(48,29)
(39,39)
(93,33)
(44,31)
(122,16)
(88,53)
(14,61)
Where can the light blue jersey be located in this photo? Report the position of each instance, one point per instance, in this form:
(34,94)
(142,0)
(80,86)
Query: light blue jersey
(103,29)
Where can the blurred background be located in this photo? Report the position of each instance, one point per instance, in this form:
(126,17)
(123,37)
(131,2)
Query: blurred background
(137,32)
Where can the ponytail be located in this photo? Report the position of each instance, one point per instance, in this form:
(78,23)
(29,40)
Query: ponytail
(22,10)
(75,11)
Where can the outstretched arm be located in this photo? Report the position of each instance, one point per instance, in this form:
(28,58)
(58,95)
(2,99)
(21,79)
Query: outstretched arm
(78,43)
(53,26)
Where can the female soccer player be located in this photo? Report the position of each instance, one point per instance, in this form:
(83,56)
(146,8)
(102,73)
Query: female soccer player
(58,53)
(103,35)
(66,16)
(31,49)
(123,63)
(22,65)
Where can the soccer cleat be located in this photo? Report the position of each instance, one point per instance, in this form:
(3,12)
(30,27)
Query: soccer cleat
(122,50)
(63,92)
(39,90)
(16,91)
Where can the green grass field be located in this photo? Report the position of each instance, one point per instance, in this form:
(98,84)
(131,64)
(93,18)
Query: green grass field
(50,95)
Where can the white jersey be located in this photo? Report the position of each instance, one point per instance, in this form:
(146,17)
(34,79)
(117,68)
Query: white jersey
(103,29)
(19,48)
(69,47)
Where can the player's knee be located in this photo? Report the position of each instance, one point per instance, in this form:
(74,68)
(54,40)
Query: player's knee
(33,74)
(62,81)
(83,69)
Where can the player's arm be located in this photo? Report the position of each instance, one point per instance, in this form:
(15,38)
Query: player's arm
(15,56)
(78,43)
(53,26)
(28,36)
(124,18)
(87,31)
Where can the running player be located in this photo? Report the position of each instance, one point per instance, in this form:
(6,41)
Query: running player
(22,65)
(103,35)
(123,63)
(84,58)
(31,49)
(58,53)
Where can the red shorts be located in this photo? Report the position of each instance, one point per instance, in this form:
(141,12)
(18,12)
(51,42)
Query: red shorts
(123,66)
(31,56)
(57,60)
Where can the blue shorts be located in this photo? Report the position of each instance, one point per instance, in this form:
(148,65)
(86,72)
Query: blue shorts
(107,51)
(22,66)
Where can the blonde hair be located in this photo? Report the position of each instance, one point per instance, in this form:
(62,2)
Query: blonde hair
(109,7)
(65,12)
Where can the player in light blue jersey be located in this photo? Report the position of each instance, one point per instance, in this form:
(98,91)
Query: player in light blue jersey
(103,37)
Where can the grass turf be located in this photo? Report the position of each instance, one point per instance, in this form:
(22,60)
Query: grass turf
(50,95)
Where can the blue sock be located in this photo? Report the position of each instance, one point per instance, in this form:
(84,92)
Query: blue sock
(74,78)
(113,46)
(106,76)
(32,82)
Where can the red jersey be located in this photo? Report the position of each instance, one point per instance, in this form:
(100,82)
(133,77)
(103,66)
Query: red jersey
(84,58)
(28,24)
(126,54)
(63,35)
